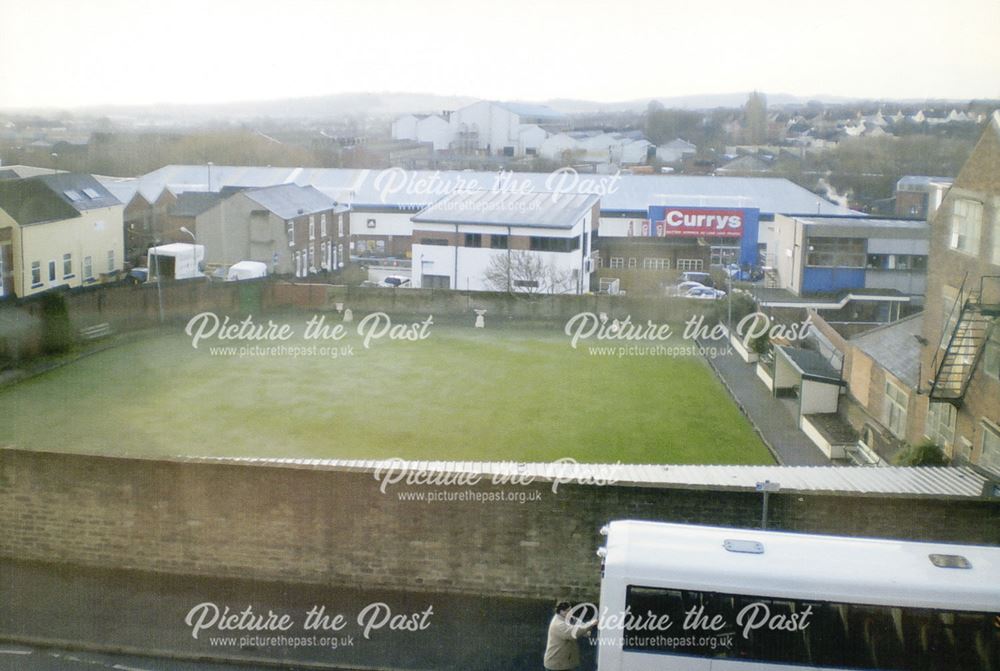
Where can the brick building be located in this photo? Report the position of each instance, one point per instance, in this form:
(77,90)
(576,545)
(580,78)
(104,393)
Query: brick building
(960,362)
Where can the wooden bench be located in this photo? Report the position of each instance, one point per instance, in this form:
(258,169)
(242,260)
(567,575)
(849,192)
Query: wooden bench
(96,331)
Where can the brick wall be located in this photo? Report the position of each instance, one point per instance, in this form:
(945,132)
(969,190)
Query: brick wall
(333,527)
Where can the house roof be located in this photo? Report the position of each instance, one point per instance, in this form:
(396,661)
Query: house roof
(509,208)
(867,226)
(288,201)
(53,197)
(811,365)
(193,203)
(895,348)
(532,111)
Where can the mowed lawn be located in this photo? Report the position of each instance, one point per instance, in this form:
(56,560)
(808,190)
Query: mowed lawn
(461,394)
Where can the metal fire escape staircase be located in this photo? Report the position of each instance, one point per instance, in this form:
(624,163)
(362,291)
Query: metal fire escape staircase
(974,320)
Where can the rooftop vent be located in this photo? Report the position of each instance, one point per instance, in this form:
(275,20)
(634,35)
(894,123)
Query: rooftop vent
(950,561)
(746,547)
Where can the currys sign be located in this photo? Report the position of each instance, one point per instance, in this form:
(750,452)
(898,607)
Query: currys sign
(696,222)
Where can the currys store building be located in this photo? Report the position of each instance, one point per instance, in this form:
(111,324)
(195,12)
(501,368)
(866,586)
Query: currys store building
(678,239)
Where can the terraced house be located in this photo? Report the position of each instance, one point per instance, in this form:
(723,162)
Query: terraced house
(59,230)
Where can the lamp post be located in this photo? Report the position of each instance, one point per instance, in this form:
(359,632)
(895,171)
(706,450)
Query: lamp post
(194,247)
(159,286)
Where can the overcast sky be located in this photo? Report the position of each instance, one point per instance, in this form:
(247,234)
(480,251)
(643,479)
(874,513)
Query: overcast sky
(69,53)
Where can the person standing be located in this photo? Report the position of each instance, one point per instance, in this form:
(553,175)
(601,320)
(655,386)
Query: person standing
(562,652)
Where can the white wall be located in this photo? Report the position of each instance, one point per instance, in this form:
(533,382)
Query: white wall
(386,223)
(436,130)
(818,397)
(497,126)
(473,263)
(405,128)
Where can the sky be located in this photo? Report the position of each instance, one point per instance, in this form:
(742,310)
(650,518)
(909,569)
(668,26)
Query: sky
(74,53)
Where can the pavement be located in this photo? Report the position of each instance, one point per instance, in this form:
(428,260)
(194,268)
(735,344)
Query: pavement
(774,419)
(55,616)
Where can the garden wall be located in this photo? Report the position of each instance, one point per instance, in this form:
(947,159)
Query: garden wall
(317,525)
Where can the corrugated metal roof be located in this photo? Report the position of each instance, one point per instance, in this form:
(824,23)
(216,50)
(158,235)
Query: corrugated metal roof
(507,208)
(848,480)
(420,188)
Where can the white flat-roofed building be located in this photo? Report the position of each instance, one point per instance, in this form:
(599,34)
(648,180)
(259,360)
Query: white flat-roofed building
(537,242)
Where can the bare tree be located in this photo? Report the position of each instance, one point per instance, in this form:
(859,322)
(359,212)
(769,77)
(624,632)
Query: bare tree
(520,271)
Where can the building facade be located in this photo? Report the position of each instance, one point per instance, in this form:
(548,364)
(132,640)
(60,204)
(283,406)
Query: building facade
(961,361)
(813,255)
(295,230)
(502,241)
(59,230)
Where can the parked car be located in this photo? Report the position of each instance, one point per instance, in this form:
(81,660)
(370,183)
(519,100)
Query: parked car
(395,281)
(684,287)
(246,270)
(697,276)
(137,275)
(705,293)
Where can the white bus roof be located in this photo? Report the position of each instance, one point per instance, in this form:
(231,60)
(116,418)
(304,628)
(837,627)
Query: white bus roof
(804,566)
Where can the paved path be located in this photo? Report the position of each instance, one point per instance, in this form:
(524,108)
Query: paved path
(137,621)
(773,418)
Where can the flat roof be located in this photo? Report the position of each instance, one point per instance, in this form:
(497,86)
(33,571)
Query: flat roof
(810,365)
(507,208)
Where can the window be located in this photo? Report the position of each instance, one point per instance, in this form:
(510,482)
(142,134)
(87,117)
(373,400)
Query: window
(67,266)
(312,227)
(473,239)
(111,260)
(616,262)
(894,409)
(73,195)
(832,635)
(966,221)
(498,241)
(311,262)
(540,244)
(370,223)
(322,225)
(877,261)
(36,273)
(526,284)
(690,264)
(632,263)
(340,225)
(92,193)
(990,458)
(656,264)
(88,268)
(837,253)
(291,232)
(52,271)
(940,423)
(437,242)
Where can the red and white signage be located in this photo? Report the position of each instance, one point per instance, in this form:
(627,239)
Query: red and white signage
(696,222)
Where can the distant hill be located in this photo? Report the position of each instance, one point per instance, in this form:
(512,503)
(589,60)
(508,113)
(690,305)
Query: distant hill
(392,104)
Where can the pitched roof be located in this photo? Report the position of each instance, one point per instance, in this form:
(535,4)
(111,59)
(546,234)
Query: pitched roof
(291,200)
(193,203)
(895,348)
(43,198)
(508,208)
